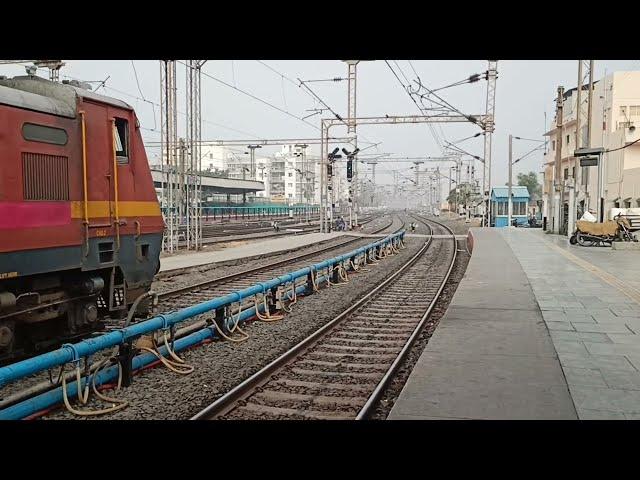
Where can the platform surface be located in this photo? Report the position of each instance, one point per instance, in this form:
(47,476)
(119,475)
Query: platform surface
(244,251)
(492,356)
(590,300)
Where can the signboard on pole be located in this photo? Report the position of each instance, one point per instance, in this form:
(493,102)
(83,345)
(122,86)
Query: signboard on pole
(588,161)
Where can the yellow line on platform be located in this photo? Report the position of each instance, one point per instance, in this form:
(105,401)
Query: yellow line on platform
(631,292)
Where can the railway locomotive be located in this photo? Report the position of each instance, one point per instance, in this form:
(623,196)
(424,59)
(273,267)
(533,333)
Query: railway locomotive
(80,223)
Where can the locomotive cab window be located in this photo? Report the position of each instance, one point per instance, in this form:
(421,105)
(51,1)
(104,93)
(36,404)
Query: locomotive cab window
(121,140)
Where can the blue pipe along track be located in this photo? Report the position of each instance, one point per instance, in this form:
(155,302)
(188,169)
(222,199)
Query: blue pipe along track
(73,353)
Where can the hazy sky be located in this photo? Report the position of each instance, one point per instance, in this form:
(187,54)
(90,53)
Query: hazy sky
(525,91)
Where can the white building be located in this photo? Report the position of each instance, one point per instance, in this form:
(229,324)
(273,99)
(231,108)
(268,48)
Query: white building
(615,122)
(293,176)
(213,157)
(288,176)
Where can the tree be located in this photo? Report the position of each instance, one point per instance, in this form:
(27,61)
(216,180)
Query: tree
(465,195)
(530,180)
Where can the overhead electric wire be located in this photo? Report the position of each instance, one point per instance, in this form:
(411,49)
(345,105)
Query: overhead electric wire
(222,82)
(135,73)
(530,152)
(183,113)
(623,147)
(158,105)
(406,89)
(421,109)
(402,72)
(282,75)
(317,97)
(438,96)
(302,84)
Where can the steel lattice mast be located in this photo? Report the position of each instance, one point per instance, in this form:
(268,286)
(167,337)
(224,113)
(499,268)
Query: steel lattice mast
(193,177)
(168,149)
(489,125)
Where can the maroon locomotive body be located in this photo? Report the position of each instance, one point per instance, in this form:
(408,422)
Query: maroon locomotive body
(80,224)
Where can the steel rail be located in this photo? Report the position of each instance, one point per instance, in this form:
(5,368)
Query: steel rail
(248,387)
(375,395)
(278,263)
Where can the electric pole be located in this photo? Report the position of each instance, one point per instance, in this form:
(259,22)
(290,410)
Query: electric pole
(559,191)
(509,197)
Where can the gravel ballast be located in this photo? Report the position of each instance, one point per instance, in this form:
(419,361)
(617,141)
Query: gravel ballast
(163,395)
(214,270)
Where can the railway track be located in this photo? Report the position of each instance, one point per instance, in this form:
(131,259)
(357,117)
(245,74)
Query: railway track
(340,371)
(205,290)
(217,234)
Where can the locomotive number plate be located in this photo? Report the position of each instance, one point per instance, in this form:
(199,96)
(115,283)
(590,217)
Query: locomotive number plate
(8,275)
(101,233)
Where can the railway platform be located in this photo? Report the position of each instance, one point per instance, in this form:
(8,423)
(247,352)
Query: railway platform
(253,249)
(538,329)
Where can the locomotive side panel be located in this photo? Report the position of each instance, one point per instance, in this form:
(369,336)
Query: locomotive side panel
(67,257)
(38,179)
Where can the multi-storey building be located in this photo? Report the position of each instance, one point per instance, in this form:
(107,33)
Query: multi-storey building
(288,176)
(615,114)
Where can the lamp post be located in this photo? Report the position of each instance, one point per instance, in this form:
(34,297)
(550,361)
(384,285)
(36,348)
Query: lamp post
(253,159)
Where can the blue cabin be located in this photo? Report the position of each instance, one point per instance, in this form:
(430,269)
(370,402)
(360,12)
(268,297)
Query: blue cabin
(500,205)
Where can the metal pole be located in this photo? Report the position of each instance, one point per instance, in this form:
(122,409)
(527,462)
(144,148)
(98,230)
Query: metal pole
(509,199)
(305,176)
(574,167)
(321,182)
(558,191)
(351,128)
(449,193)
(244,177)
(600,207)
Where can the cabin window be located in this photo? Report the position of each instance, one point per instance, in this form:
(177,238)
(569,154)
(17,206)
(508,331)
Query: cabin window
(519,208)
(121,140)
(44,134)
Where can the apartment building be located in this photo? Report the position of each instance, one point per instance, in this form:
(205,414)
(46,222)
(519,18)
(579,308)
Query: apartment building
(288,176)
